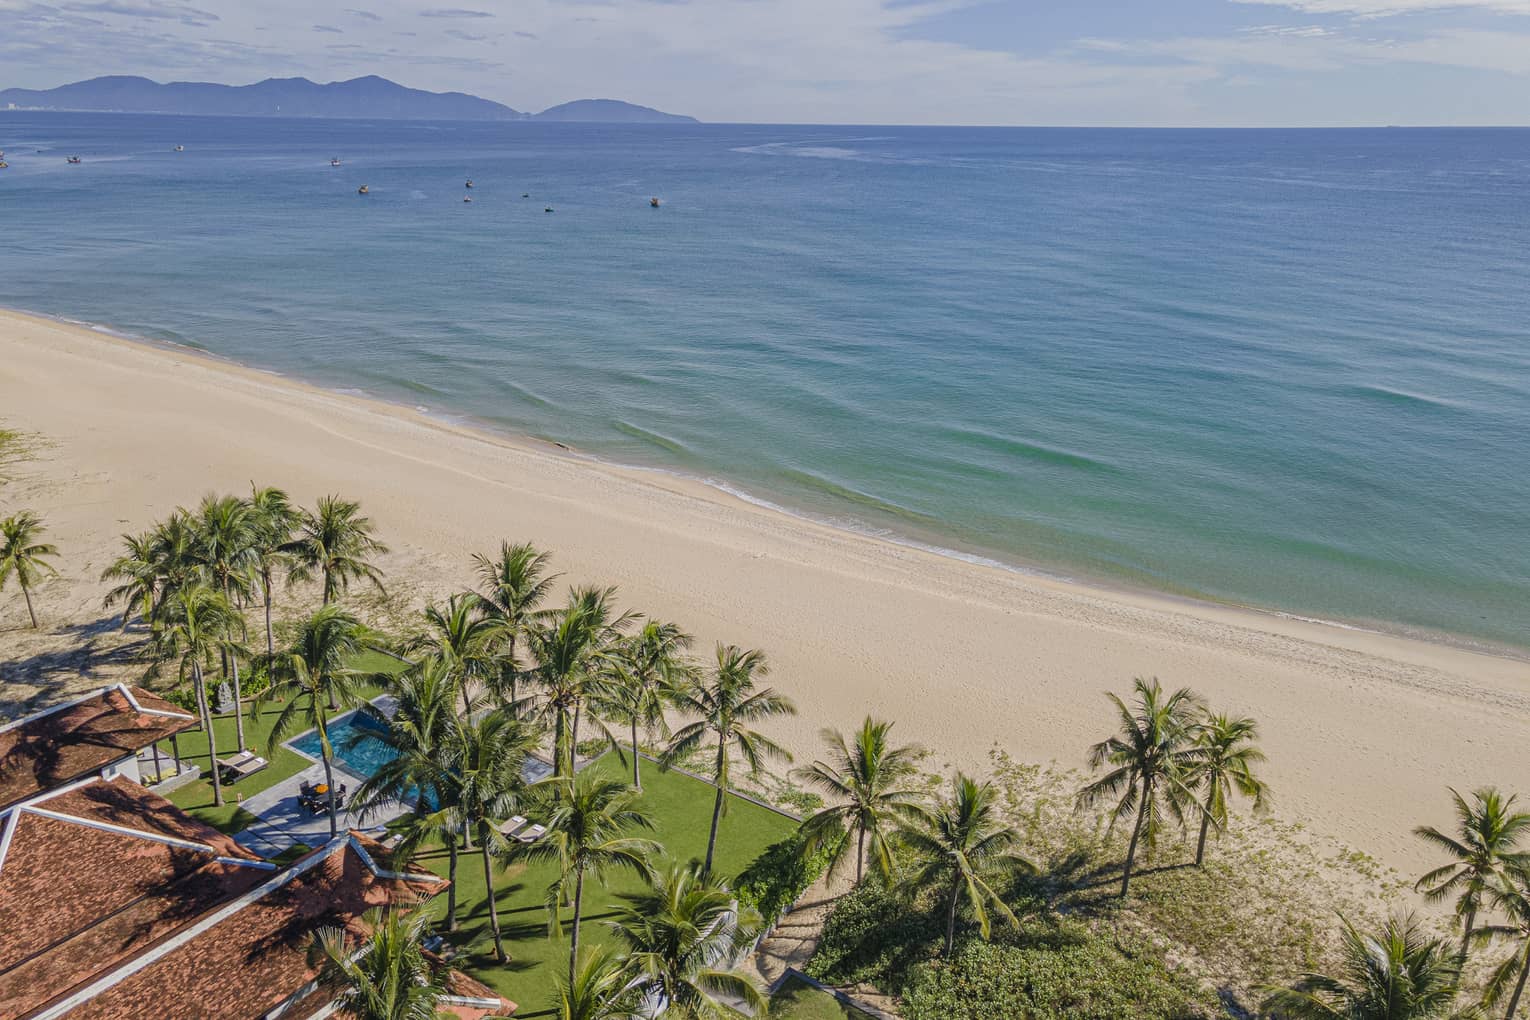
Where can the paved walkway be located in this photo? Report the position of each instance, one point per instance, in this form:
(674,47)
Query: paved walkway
(283,822)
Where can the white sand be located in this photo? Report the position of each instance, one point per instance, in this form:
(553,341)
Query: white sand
(1364,731)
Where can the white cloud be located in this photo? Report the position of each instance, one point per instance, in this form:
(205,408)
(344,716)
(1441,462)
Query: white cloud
(1389,8)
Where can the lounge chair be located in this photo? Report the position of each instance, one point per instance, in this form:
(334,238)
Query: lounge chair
(246,763)
(510,825)
(532,834)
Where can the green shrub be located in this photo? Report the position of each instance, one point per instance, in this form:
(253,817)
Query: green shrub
(1049,970)
(873,936)
(783,871)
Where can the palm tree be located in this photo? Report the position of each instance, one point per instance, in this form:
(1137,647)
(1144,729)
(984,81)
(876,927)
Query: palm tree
(274,520)
(314,677)
(512,589)
(392,979)
(337,545)
(682,936)
(223,536)
(724,705)
(490,767)
(587,837)
(1398,973)
(868,778)
(1487,837)
(1153,754)
(1227,765)
(963,846)
(1511,894)
(139,575)
(568,649)
(602,989)
(193,624)
(456,635)
(172,551)
(24,556)
(642,677)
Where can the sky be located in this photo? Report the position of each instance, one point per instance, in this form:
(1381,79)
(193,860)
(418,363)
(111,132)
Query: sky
(1248,63)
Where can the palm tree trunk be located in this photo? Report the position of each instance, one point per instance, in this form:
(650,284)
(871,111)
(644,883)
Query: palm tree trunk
(573,942)
(1200,846)
(26,593)
(717,807)
(265,576)
(451,877)
(238,704)
(1466,934)
(956,892)
(860,854)
(200,684)
(560,731)
(488,884)
(1131,848)
(1519,987)
(329,782)
(573,742)
(637,779)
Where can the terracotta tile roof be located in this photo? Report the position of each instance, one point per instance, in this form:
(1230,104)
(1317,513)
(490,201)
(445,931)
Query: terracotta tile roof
(90,876)
(47,750)
(246,956)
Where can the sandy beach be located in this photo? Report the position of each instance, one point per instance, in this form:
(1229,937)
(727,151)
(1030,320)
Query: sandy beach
(1364,731)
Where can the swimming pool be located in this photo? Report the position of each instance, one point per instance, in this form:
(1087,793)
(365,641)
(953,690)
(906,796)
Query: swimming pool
(355,739)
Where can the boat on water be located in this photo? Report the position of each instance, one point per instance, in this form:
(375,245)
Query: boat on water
(469,182)
(363,190)
(72,159)
(3,164)
(653,203)
(525,194)
(180,148)
(467,198)
(548,209)
(334,162)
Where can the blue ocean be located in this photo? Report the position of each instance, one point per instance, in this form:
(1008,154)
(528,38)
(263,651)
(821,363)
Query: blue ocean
(1285,369)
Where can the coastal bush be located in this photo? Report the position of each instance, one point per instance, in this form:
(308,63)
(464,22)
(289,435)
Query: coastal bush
(780,874)
(874,936)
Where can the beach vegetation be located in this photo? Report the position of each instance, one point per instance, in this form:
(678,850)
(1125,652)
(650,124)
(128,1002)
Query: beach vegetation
(641,681)
(1511,896)
(335,544)
(24,555)
(512,590)
(1483,846)
(1228,759)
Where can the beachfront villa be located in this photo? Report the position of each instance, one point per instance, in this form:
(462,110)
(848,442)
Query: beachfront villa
(116,904)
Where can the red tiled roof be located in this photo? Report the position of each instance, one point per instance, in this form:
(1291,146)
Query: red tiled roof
(56,747)
(244,957)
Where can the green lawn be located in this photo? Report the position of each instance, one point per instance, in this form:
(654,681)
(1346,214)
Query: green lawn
(798,1000)
(681,808)
(196,798)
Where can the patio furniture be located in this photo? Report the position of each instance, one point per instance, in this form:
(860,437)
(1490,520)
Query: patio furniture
(532,834)
(510,825)
(246,763)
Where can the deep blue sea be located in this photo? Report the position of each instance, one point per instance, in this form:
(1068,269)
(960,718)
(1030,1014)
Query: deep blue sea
(1288,369)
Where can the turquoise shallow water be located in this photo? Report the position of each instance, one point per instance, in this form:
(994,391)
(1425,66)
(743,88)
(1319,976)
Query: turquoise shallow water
(1288,369)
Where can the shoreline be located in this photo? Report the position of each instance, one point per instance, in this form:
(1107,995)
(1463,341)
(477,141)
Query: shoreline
(965,657)
(728,491)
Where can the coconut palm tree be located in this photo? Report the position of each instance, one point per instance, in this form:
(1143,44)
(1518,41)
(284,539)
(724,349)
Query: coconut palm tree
(24,556)
(724,705)
(1227,765)
(1511,894)
(602,989)
(139,578)
(1487,837)
(392,979)
(569,650)
(195,623)
(587,837)
(489,766)
(682,937)
(512,589)
(1397,973)
(456,635)
(1154,754)
(962,847)
(642,676)
(869,780)
(335,544)
(314,678)
(275,520)
(172,552)
(223,536)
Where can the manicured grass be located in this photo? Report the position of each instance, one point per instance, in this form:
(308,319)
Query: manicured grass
(196,798)
(681,808)
(798,1000)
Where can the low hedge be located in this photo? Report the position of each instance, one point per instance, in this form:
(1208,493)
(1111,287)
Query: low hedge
(783,872)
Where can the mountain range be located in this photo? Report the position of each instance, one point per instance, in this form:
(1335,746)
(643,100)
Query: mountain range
(369,97)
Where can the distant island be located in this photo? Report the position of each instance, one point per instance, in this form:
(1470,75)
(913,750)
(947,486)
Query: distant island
(368,97)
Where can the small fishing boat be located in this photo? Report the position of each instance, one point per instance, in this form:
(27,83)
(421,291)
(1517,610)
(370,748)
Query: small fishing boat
(467,198)
(180,148)
(525,194)
(362,190)
(334,162)
(72,159)
(653,203)
(548,209)
(470,182)
(3,164)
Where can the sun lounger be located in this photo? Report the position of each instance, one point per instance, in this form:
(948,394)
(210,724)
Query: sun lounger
(241,765)
(509,827)
(532,834)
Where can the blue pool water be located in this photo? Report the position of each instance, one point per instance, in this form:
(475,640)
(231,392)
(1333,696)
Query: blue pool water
(355,742)
(1281,368)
